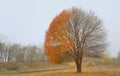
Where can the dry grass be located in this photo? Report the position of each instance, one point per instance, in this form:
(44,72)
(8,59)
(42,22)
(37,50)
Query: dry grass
(91,71)
(69,73)
(90,68)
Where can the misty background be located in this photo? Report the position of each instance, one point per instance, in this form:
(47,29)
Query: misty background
(26,21)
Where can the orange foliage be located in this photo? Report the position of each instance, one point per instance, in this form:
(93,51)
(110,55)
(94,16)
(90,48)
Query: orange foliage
(55,39)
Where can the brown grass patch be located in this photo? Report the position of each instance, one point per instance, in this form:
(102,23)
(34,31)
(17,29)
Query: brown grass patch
(73,73)
(91,71)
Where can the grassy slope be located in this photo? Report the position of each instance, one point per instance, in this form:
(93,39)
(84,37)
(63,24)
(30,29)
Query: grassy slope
(93,67)
(90,71)
(100,70)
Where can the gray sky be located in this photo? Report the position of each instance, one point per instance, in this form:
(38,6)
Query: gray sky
(26,21)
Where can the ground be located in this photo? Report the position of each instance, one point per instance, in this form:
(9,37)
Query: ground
(90,67)
(90,71)
(101,70)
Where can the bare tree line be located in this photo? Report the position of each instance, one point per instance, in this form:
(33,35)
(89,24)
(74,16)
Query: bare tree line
(19,53)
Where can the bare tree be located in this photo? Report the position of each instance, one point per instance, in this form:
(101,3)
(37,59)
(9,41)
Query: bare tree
(86,35)
(17,53)
(2,47)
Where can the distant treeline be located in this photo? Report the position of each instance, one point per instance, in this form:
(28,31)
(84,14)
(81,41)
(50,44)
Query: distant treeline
(10,52)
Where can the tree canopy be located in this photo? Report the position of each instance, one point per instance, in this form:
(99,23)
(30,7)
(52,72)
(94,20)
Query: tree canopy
(76,32)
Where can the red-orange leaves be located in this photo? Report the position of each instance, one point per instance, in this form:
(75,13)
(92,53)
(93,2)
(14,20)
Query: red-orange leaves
(74,33)
(55,39)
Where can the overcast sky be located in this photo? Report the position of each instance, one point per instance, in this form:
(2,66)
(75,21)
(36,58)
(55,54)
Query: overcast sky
(26,21)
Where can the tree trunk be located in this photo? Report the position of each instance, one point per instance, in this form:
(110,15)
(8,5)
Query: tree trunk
(79,65)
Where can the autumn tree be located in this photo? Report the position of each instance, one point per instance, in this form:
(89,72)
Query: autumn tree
(54,45)
(77,32)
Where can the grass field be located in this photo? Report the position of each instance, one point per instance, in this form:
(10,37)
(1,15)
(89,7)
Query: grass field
(100,70)
(90,68)
(93,71)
